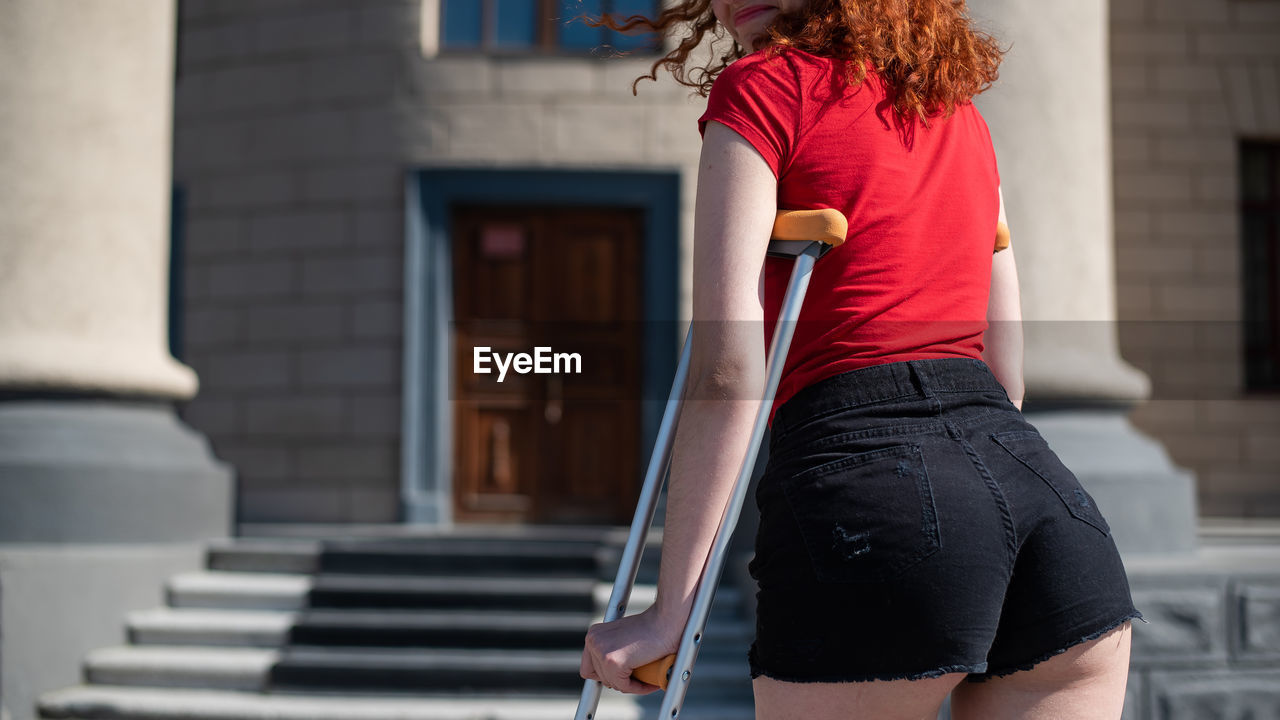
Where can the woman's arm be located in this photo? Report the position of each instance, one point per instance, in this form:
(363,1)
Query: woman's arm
(733,219)
(1003,351)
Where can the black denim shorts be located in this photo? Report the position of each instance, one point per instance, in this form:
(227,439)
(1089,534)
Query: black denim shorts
(913,523)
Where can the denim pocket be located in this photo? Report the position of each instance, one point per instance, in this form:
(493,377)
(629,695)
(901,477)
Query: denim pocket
(865,517)
(1030,449)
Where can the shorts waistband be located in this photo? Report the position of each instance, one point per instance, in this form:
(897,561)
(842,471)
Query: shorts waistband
(887,381)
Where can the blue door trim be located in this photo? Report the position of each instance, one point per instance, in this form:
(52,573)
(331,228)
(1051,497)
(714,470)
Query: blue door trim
(427,440)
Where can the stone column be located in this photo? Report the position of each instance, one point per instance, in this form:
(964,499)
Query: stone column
(89,446)
(104,493)
(1049,115)
(4,713)
(84,193)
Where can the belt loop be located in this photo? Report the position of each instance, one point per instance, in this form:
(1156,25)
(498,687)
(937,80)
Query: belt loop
(921,379)
(917,379)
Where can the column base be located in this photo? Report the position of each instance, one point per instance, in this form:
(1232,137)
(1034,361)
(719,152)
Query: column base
(104,471)
(1149,502)
(61,601)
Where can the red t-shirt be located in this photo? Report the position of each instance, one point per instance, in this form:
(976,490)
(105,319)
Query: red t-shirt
(911,280)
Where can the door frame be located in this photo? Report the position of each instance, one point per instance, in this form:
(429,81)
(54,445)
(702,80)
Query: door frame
(426,476)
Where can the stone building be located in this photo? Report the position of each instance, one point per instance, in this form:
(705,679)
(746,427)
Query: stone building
(293,143)
(365,191)
(295,146)
(1196,117)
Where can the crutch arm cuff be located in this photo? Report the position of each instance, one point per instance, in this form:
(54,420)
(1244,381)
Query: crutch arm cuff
(827,225)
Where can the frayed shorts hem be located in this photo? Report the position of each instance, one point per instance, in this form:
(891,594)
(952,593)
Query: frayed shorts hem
(977,673)
(1002,672)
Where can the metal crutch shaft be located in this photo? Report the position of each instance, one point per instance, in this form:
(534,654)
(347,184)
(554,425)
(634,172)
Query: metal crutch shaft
(804,235)
(643,520)
(690,643)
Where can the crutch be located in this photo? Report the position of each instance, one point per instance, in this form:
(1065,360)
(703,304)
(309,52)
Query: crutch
(804,235)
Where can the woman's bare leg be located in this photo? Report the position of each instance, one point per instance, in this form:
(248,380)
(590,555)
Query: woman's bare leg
(878,700)
(1084,683)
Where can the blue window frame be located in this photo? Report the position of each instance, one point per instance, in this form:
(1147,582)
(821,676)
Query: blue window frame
(541,26)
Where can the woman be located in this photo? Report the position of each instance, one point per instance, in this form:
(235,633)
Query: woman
(917,538)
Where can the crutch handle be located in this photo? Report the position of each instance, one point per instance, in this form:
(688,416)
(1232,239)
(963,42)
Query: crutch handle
(826,226)
(657,672)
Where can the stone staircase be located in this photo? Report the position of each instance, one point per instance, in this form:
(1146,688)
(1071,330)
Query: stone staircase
(437,627)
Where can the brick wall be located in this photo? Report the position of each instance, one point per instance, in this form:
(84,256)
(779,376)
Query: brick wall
(296,121)
(293,248)
(1189,79)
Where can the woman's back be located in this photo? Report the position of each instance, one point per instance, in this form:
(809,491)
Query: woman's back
(911,281)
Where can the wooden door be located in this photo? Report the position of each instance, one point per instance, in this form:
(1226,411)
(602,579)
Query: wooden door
(560,446)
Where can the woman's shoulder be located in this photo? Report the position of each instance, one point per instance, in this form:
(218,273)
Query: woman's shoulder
(775,63)
(778,68)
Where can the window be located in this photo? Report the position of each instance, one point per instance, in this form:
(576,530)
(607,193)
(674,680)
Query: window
(540,26)
(1260,228)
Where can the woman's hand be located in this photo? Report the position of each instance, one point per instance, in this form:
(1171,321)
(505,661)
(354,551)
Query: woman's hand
(614,649)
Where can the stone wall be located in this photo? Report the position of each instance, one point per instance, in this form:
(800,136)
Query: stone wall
(1190,78)
(1212,645)
(296,123)
(283,146)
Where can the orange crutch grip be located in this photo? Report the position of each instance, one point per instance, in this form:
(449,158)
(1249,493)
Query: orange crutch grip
(826,225)
(657,672)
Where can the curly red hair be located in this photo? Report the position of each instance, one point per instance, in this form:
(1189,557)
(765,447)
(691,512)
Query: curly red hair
(928,52)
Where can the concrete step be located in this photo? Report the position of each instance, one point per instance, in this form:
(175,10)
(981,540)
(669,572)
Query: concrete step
(181,667)
(437,592)
(728,599)
(271,591)
(467,671)
(610,558)
(358,628)
(413,670)
(461,555)
(240,591)
(95,702)
(276,591)
(539,672)
(394,628)
(615,534)
(464,556)
(269,556)
(210,628)
(469,625)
